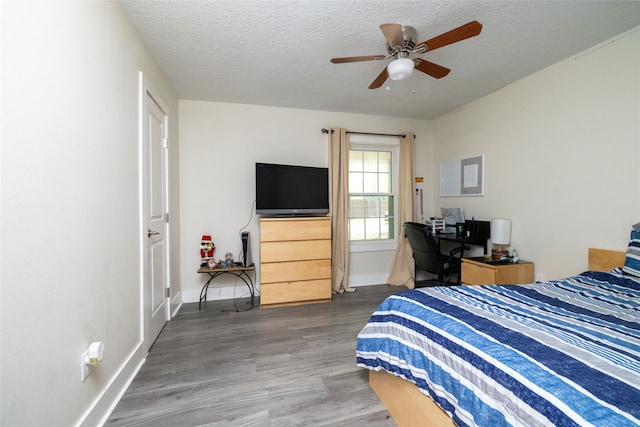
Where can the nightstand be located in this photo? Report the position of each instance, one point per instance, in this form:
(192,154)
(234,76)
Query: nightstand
(476,272)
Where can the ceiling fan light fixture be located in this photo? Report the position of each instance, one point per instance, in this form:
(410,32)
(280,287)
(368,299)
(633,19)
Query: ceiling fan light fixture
(400,68)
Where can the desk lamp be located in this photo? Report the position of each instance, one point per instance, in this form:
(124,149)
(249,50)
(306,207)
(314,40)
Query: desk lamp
(500,235)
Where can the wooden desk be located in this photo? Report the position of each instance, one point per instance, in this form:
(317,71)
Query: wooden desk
(238,271)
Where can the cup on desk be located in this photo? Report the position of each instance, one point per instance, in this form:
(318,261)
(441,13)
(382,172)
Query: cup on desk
(459,229)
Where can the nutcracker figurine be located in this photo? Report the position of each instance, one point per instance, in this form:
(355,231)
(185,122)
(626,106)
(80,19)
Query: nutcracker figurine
(207,249)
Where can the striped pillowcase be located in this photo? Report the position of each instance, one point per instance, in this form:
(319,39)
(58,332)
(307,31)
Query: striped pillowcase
(632,261)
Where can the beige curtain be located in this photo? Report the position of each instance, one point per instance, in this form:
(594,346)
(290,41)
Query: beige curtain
(403,267)
(338,206)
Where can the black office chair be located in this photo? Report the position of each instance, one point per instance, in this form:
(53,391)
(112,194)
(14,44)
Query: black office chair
(427,255)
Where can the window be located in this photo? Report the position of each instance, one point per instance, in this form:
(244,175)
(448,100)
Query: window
(372,193)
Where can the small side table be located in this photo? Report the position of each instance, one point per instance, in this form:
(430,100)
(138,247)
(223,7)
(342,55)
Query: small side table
(475,271)
(241,272)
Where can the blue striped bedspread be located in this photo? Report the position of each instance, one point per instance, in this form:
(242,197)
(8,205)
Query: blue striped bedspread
(558,353)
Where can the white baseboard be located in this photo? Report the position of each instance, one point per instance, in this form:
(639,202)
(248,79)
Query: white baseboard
(367,279)
(241,291)
(106,402)
(218,293)
(366,284)
(176,304)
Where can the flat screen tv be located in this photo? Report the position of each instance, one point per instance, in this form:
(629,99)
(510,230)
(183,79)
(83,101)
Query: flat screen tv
(286,190)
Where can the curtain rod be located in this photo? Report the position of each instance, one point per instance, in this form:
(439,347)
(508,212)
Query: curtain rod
(366,133)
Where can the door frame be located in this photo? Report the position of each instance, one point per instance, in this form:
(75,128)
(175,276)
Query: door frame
(146,87)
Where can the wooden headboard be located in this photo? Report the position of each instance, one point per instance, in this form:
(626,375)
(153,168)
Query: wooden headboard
(605,259)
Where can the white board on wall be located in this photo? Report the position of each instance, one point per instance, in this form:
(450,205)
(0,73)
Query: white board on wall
(450,178)
(462,177)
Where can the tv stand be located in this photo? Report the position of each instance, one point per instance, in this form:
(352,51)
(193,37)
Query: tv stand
(295,260)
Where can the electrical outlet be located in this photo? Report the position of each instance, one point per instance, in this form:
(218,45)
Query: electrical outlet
(84,366)
(539,277)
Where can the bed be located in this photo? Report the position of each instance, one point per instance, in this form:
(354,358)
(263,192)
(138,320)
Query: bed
(563,352)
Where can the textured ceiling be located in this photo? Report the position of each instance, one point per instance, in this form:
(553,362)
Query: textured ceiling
(277,52)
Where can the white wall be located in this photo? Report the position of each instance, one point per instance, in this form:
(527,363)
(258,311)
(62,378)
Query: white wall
(562,149)
(70,234)
(219,146)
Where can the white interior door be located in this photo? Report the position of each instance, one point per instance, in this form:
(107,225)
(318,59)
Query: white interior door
(155,217)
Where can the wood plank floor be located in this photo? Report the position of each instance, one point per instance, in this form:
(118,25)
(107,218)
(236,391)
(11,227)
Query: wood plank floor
(286,366)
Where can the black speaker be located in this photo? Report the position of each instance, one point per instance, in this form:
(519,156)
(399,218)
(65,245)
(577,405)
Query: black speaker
(246,252)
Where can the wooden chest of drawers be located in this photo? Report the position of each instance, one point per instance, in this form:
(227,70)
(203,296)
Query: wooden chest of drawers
(476,272)
(295,260)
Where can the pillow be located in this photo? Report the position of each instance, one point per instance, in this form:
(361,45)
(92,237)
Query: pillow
(632,260)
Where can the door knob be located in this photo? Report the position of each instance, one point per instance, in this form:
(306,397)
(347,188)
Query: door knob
(150,232)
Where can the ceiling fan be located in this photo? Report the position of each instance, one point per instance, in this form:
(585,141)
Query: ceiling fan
(401,44)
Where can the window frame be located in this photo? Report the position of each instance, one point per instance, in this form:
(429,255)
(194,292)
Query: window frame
(392,144)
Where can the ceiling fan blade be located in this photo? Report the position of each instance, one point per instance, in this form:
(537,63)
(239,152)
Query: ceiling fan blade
(393,33)
(379,81)
(357,59)
(465,31)
(434,70)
